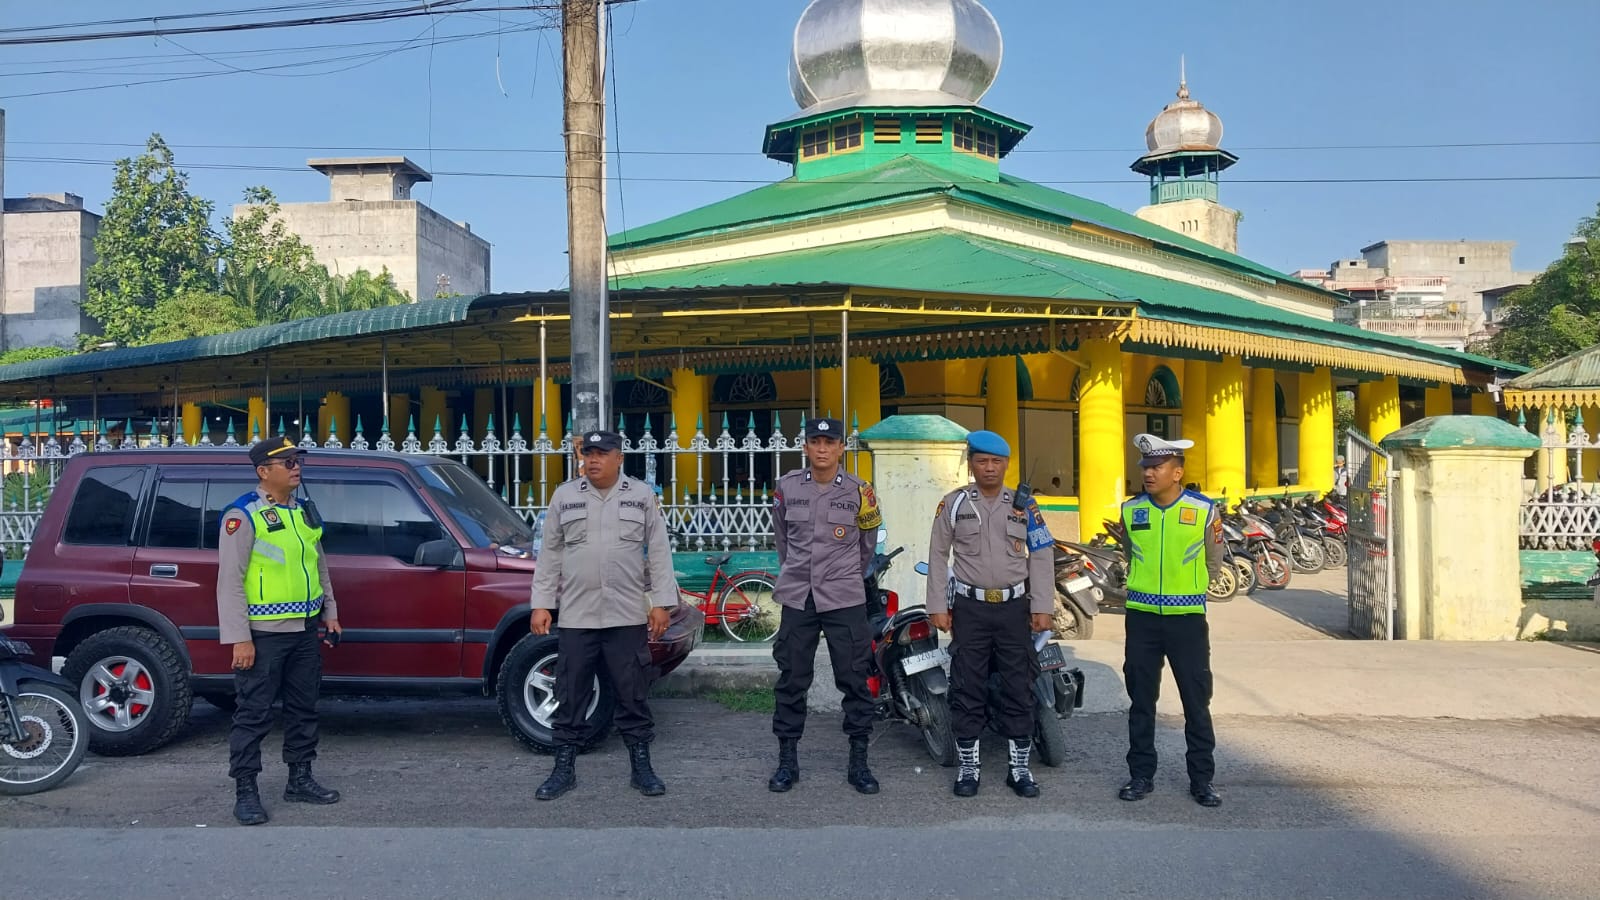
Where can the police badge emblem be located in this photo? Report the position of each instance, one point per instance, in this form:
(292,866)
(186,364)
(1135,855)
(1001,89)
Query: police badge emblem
(839,532)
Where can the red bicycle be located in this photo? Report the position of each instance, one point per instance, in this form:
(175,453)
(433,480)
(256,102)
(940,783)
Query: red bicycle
(742,603)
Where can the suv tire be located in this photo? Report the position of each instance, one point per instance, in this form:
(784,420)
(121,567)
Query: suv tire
(157,671)
(524,693)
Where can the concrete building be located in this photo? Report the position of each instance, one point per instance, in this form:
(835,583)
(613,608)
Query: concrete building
(371,222)
(1430,291)
(46,246)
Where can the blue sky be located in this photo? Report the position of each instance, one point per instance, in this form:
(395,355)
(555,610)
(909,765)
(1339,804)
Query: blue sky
(698,80)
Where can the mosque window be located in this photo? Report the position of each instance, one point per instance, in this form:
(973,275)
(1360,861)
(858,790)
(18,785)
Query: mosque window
(963,136)
(930,131)
(847,136)
(988,144)
(814,144)
(886,131)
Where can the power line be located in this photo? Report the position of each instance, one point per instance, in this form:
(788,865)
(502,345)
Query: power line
(909,184)
(390,148)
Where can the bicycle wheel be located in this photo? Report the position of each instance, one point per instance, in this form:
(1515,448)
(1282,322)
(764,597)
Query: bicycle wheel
(747,608)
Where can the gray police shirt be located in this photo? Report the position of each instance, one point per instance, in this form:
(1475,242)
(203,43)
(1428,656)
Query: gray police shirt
(593,565)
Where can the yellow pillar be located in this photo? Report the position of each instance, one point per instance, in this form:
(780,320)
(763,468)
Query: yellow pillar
(1101,450)
(399,415)
(1364,407)
(830,393)
(1437,401)
(1383,407)
(435,415)
(1316,430)
(691,405)
(1560,458)
(1483,404)
(255,425)
(1591,458)
(1225,429)
(335,411)
(553,423)
(1000,414)
(865,404)
(1263,428)
(1193,426)
(193,423)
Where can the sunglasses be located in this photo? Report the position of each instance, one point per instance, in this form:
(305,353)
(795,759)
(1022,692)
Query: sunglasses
(292,462)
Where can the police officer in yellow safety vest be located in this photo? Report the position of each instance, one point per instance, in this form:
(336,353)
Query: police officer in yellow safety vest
(1174,549)
(274,603)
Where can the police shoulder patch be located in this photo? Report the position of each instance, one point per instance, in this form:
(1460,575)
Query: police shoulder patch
(232,524)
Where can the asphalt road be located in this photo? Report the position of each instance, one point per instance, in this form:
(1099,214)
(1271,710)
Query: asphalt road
(439,803)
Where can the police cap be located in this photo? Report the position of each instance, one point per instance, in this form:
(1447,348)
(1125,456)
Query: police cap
(600,440)
(987,442)
(1154,451)
(825,428)
(268,449)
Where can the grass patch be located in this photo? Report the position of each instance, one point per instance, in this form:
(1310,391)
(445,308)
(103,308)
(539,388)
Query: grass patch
(758,700)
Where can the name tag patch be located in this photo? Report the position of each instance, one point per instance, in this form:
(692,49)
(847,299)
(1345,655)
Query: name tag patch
(273,520)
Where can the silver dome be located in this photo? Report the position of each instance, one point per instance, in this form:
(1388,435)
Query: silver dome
(1183,125)
(893,52)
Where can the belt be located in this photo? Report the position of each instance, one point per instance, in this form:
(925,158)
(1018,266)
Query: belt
(989,595)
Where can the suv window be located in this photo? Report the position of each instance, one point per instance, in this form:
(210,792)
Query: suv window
(175,515)
(372,518)
(219,493)
(102,509)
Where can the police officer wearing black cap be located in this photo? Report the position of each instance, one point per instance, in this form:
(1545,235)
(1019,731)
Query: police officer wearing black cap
(606,566)
(1002,586)
(274,600)
(826,522)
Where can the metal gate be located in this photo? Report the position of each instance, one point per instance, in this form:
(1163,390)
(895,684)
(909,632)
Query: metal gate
(1371,539)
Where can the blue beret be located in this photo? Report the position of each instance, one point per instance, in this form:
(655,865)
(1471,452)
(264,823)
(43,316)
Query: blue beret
(987,442)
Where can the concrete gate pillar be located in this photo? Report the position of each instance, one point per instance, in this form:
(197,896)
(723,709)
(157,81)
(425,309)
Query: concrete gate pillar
(1455,513)
(916,461)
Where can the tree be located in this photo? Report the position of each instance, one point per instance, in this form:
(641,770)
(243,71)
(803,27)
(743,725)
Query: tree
(155,242)
(29,354)
(196,314)
(1559,313)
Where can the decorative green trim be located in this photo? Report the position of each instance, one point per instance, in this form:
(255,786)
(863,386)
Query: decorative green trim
(1446,432)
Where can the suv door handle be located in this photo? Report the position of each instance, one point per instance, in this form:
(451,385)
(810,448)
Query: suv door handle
(164,570)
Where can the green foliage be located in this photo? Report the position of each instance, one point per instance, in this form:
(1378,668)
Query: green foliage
(1559,313)
(757,700)
(163,274)
(155,242)
(29,354)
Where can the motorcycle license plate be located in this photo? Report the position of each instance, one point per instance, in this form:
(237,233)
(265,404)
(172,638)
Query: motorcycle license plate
(924,661)
(1051,657)
(1079,584)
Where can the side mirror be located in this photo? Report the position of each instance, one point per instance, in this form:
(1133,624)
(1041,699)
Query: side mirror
(440,554)
(922,567)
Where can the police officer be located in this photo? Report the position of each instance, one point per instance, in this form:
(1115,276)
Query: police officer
(826,525)
(1003,585)
(606,567)
(1174,549)
(273,600)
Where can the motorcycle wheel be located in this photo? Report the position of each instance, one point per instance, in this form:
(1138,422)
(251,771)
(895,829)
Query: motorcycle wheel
(1306,555)
(1335,550)
(1224,586)
(57,736)
(1272,571)
(1049,735)
(937,737)
(1069,624)
(1246,571)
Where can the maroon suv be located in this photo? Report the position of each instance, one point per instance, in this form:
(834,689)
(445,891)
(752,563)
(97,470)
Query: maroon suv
(431,570)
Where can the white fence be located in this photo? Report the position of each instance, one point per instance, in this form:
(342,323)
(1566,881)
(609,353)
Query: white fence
(725,504)
(1563,512)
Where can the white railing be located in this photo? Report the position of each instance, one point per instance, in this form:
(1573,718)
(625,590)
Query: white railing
(726,504)
(1564,514)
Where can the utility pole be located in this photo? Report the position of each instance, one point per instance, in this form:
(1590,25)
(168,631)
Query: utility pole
(583,95)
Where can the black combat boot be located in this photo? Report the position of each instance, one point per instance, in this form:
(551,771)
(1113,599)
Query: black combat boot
(302,788)
(967,776)
(1019,779)
(857,773)
(644,778)
(788,772)
(247,802)
(563,777)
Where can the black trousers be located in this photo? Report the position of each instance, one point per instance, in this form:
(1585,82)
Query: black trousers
(288,668)
(991,637)
(849,651)
(620,656)
(1185,641)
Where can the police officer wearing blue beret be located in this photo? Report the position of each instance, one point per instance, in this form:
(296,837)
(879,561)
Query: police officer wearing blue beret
(1001,583)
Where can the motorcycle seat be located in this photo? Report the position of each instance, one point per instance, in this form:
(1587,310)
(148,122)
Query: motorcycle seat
(717,561)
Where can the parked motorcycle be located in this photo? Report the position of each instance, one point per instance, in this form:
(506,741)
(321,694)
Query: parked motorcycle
(1273,568)
(907,679)
(43,732)
(1306,554)
(1077,598)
